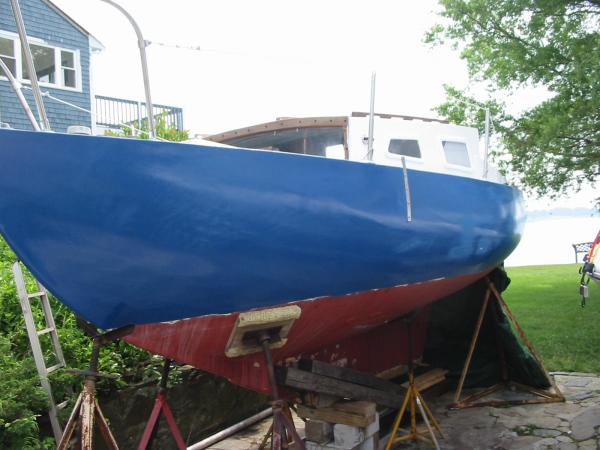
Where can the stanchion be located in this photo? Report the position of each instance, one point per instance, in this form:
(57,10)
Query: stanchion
(86,411)
(282,432)
(543,395)
(161,406)
(413,402)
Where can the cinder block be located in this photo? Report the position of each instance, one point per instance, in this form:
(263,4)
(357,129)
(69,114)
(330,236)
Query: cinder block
(373,427)
(346,436)
(318,431)
(371,443)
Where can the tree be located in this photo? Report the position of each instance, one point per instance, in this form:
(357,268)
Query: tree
(553,147)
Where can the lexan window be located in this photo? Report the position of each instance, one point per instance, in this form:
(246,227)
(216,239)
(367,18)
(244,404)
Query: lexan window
(405,147)
(456,153)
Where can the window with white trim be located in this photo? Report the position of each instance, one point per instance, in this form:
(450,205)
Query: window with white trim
(7,54)
(54,66)
(456,153)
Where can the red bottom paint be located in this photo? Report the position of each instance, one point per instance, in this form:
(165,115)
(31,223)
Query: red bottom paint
(356,330)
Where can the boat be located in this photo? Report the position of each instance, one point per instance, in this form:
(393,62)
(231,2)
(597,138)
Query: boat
(316,226)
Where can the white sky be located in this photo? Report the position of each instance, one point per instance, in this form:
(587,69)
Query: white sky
(262,59)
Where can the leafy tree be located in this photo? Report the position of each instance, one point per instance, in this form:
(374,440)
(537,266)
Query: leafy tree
(515,44)
(163,131)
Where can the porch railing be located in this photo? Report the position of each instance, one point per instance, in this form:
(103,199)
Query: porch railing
(116,112)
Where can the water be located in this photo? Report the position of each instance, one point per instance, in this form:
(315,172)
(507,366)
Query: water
(548,239)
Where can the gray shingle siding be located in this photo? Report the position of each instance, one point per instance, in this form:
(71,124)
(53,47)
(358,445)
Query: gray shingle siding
(44,22)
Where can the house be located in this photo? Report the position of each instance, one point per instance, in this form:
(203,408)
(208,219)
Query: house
(62,52)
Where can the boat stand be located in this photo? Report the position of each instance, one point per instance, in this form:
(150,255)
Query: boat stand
(86,411)
(161,406)
(552,395)
(282,432)
(413,402)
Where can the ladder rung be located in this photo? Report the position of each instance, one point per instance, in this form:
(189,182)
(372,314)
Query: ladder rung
(45,331)
(36,294)
(54,367)
(61,405)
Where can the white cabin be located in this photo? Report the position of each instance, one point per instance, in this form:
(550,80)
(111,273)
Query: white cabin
(422,144)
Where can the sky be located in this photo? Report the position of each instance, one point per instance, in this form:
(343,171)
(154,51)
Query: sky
(253,61)
(262,59)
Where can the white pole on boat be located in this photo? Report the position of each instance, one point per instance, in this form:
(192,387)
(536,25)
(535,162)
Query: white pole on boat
(487,142)
(37,95)
(142,46)
(17,88)
(231,430)
(371,118)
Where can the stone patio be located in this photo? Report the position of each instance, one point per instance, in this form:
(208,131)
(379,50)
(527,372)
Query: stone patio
(565,426)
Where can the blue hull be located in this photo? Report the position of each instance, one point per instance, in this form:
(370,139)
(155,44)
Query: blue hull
(127,231)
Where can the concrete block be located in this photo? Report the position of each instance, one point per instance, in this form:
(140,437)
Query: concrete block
(346,436)
(318,431)
(373,427)
(371,443)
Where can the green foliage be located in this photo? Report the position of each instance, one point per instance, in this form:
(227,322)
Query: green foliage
(163,131)
(23,401)
(515,44)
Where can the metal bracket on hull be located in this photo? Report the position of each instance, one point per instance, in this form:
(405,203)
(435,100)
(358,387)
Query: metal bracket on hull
(277,322)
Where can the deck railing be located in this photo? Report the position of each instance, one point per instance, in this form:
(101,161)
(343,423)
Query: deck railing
(117,112)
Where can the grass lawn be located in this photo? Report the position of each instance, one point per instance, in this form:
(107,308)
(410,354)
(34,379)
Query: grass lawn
(546,302)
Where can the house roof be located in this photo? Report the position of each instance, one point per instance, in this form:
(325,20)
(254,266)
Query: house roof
(94,42)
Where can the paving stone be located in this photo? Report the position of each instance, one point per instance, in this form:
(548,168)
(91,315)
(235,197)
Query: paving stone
(582,425)
(590,444)
(566,446)
(578,382)
(542,432)
(582,396)
(564,438)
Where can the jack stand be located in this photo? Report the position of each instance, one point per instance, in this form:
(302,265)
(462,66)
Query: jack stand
(86,408)
(282,432)
(544,396)
(413,400)
(161,405)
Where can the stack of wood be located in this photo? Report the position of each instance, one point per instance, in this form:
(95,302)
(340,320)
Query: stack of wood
(333,424)
(339,404)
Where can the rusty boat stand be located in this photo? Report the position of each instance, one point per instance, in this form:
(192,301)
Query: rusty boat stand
(552,395)
(282,432)
(161,406)
(87,411)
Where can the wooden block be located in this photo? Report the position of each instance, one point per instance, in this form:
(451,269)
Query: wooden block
(350,375)
(362,408)
(428,379)
(335,416)
(308,381)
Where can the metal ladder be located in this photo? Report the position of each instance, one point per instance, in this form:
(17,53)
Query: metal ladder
(34,340)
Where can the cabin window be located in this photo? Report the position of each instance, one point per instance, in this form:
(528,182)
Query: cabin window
(7,54)
(316,141)
(456,153)
(405,147)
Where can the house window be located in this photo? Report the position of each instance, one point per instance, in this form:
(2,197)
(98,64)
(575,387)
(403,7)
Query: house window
(56,67)
(456,153)
(43,60)
(405,147)
(7,54)
(67,64)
